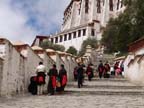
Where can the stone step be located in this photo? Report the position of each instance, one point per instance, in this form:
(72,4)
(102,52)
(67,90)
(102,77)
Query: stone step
(105,91)
(108,86)
(108,79)
(103,83)
(101,92)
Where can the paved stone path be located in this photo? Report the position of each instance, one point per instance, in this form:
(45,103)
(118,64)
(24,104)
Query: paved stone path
(86,97)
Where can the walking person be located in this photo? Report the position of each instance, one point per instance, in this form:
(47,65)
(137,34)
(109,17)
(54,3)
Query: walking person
(100,69)
(40,71)
(106,70)
(80,76)
(75,73)
(89,72)
(53,73)
(117,69)
(63,78)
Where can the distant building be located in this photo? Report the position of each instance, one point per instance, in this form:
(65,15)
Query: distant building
(85,18)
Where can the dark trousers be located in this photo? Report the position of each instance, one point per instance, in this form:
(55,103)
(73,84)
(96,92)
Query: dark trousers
(75,77)
(100,74)
(80,80)
(89,78)
(51,90)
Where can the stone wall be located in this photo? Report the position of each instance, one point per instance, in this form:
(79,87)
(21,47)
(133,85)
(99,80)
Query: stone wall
(1,70)
(133,68)
(18,63)
(12,74)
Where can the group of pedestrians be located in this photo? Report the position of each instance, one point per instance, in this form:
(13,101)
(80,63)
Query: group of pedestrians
(57,80)
(105,70)
(79,73)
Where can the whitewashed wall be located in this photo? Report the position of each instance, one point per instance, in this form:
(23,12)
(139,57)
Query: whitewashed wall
(12,77)
(1,71)
(134,71)
(32,61)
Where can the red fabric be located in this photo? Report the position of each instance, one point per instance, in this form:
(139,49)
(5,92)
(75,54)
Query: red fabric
(40,79)
(35,78)
(89,73)
(53,81)
(101,70)
(64,80)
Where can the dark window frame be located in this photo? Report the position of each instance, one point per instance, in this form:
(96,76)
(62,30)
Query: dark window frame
(79,33)
(61,38)
(118,3)
(92,32)
(98,6)
(69,36)
(86,6)
(65,37)
(84,32)
(52,40)
(111,5)
(74,35)
(56,39)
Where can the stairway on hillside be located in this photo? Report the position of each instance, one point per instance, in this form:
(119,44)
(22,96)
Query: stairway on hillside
(96,57)
(112,86)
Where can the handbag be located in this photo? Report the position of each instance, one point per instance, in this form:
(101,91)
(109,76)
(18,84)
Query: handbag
(58,84)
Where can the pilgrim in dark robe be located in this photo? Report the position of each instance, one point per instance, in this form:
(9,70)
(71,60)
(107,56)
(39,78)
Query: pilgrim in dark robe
(62,78)
(100,69)
(52,80)
(80,75)
(89,72)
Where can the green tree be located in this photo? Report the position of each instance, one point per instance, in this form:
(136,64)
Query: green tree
(50,45)
(128,27)
(72,50)
(89,41)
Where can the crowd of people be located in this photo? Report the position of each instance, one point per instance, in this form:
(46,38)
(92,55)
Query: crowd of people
(102,70)
(57,80)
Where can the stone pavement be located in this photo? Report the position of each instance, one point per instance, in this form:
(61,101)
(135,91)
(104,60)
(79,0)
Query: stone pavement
(96,94)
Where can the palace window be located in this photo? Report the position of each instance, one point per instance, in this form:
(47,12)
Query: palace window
(92,32)
(79,33)
(103,2)
(118,4)
(80,6)
(56,40)
(69,36)
(121,3)
(98,6)
(65,37)
(86,6)
(52,40)
(111,5)
(61,38)
(74,34)
(84,32)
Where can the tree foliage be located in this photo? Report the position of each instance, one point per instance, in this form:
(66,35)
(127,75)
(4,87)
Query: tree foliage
(89,41)
(72,50)
(128,27)
(49,45)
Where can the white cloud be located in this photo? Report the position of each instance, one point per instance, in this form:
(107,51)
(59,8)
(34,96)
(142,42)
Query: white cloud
(15,15)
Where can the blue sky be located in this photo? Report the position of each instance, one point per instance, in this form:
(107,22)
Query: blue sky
(24,19)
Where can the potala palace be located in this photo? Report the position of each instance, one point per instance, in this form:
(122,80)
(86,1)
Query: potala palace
(83,19)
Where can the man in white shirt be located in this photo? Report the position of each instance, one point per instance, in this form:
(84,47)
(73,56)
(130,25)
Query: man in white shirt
(40,71)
